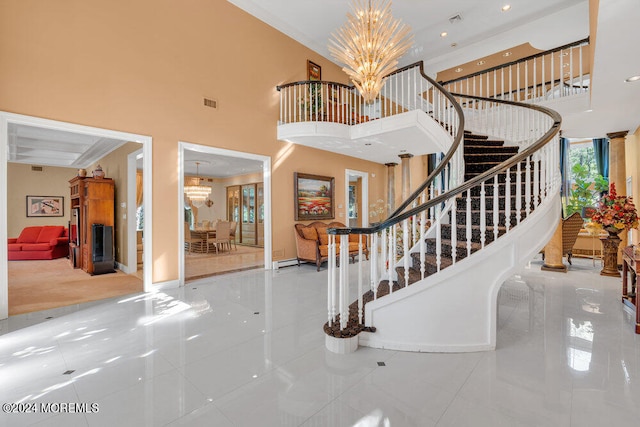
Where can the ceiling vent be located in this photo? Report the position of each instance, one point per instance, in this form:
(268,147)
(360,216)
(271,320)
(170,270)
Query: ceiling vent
(212,103)
(36,169)
(455,18)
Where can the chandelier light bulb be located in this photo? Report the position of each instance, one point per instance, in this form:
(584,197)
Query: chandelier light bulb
(369,45)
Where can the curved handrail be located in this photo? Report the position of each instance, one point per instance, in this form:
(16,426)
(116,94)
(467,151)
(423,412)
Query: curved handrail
(398,217)
(454,146)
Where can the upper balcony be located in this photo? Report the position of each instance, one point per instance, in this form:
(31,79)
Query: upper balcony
(408,116)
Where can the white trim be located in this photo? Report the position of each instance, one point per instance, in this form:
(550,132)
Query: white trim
(5,119)
(266,172)
(365,195)
(132,243)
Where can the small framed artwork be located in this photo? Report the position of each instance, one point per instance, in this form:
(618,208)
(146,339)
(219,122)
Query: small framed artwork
(45,206)
(314,72)
(313,197)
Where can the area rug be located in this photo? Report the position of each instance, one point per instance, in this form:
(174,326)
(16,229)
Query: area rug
(44,284)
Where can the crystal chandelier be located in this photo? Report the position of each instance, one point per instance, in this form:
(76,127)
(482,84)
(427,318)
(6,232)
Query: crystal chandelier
(370,44)
(197,193)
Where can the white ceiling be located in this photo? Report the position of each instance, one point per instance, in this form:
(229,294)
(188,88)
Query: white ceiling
(52,147)
(218,166)
(484,30)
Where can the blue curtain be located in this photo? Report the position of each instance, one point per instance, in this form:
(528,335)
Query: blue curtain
(601,153)
(564,174)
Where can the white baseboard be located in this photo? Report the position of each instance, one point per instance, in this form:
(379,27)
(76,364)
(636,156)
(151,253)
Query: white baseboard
(169,284)
(122,268)
(284,263)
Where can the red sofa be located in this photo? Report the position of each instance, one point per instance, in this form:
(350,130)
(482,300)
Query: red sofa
(44,242)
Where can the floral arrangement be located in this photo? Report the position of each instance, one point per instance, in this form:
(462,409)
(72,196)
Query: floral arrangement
(616,211)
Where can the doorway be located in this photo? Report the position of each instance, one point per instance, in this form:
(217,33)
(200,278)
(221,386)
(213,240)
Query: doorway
(11,125)
(237,188)
(357,198)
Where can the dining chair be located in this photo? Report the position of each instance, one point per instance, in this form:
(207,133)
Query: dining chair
(189,240)
(205,224)
(221,236)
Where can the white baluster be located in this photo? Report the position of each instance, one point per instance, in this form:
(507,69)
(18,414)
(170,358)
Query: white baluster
(527,190)
(496,208)
(392,256)
(518,193)
(360,277)
(468,222)
(331,291)
(507,199)
(483,213)
(438,237)
(454,231)
(423,226)
(385,265)
(536,183)
(405,250)
(373,253)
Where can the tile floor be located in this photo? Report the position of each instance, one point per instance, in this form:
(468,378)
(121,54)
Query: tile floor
(247,349)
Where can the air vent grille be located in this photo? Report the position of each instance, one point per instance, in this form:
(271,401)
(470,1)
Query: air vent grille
(212,103)
(37,168)
(455,18)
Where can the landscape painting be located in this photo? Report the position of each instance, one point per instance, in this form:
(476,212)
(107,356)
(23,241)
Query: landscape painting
(313,197)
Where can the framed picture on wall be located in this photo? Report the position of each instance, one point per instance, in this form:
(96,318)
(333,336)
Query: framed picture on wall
(313,197)
(314,72)
(38,206)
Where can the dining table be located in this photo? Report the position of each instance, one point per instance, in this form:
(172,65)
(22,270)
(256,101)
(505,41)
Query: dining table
(202,234)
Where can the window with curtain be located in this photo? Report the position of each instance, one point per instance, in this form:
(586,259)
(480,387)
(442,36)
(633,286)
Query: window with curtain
(584,182)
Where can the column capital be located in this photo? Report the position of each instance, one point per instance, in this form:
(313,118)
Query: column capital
(616,135)
(390,165)
(405,156)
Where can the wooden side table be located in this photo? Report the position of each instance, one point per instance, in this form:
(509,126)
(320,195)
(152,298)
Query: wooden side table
(630,263)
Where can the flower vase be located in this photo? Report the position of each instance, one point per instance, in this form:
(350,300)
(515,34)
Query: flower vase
(610,246)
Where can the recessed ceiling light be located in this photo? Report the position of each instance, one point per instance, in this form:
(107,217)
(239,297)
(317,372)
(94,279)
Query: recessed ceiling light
(588,111)
(481,62)
(457,70)
(444,34)
(507,54)
(632,79)
(506,7)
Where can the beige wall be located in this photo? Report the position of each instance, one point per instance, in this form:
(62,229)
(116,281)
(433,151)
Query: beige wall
(144,67)
(114,166)
(22,182)
(632,162)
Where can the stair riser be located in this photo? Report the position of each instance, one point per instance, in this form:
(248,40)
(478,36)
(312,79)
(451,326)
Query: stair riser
(461,233)
(475,219)
(476,168)
(461,203)
(461,252)
(488,190)
(502,177)
(490,150)
(482,143)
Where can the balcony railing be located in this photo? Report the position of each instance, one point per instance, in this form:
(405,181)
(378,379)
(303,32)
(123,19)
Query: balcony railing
(552,74)
(405,90)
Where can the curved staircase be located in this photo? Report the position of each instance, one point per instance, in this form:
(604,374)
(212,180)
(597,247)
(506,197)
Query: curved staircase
(491,203)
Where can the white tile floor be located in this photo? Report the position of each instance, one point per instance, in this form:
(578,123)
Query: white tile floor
(247,349)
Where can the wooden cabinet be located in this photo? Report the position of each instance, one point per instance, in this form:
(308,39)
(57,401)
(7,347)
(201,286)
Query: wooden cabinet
(92,200)
(630,266)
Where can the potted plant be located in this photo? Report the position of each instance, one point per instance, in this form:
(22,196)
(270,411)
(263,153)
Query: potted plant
(615,214)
